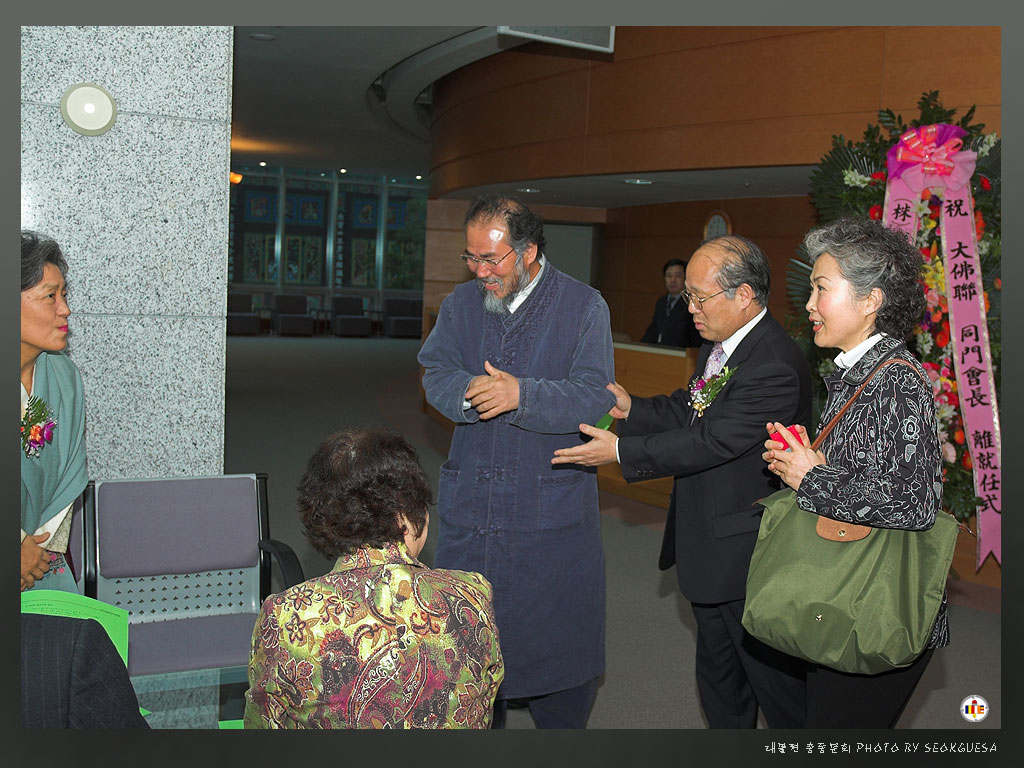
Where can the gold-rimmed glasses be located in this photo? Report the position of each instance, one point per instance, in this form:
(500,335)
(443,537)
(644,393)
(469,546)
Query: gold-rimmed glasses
(470,259)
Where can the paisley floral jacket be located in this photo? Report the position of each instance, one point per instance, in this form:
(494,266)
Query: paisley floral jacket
(381,641)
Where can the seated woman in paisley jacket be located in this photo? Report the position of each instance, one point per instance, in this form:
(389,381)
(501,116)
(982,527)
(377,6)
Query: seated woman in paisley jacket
(881,465)
(381,641)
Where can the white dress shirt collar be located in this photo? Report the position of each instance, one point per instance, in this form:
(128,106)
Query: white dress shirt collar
(521,296)
(730,344)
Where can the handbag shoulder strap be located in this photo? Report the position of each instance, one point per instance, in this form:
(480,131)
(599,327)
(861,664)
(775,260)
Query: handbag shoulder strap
(835,419)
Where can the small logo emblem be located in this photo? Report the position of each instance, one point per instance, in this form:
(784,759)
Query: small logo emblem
(974,708)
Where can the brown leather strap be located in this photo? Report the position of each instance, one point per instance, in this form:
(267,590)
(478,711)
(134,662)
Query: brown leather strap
(827,527)
(835,419)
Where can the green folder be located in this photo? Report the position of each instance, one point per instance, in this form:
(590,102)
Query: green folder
(605,421)
(56,602)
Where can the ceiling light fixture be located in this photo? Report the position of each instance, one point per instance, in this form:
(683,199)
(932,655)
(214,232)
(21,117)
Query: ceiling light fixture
(263,163)
(343,170)
(418,177)
(88,109)
(638,181)
(235,177)
(528,190)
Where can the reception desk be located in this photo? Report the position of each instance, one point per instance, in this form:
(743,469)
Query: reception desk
(646,370)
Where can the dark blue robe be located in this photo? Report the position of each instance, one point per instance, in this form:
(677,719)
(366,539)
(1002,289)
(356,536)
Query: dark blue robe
(532,528)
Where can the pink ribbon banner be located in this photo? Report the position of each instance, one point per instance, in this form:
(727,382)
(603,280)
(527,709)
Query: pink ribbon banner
(930,157)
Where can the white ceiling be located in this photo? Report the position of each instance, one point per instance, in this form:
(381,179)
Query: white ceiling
(307,99)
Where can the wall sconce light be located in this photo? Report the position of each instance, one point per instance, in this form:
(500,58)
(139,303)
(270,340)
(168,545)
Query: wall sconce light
(235,178)
(88,109)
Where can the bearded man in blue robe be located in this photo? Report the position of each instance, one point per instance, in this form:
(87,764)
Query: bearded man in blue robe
(518,358)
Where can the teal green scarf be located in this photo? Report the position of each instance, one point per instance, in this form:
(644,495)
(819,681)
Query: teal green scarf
(54,478)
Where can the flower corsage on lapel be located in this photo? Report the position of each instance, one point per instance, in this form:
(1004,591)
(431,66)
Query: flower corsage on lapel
(37,426)
(704,391)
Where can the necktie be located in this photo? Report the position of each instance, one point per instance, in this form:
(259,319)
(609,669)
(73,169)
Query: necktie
(715,361)
(670,304)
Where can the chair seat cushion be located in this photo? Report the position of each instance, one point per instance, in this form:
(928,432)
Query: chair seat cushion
(205,642)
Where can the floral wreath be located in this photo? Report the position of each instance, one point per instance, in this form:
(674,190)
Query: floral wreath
(851,180)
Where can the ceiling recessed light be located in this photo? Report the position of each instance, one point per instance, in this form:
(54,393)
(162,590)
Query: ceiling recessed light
(394,181)
(638,181)
(263,38)
(263,163)
(418,177)
(343,170)
(528,190)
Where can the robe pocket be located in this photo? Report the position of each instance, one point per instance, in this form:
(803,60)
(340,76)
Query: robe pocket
(447,509)
(563,500)
(734,523)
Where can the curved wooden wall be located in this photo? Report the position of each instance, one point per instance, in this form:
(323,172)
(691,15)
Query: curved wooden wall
(675,98)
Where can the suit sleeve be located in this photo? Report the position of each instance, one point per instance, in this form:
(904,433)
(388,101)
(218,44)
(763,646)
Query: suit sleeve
(558,406)
(894,484)
(101,692)
(658,439)
(651,334)
(445,378)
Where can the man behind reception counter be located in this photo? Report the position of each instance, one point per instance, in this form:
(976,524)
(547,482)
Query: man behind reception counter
(672,324)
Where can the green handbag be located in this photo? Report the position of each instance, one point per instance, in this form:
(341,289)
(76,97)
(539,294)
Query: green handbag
(854,598)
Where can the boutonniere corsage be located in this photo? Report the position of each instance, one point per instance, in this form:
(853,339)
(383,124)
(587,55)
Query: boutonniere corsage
(37,426)
(704,391)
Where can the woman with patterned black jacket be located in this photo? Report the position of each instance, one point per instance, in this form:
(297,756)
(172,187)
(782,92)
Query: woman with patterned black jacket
(881,465)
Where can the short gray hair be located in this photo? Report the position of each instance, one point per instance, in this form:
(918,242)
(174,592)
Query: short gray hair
(746,263)
(870,255)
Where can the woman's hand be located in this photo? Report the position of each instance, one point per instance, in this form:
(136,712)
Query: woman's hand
(35,560)
(793,464)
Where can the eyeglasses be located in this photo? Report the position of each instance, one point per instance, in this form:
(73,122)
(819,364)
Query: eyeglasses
(470,259)
(690,298)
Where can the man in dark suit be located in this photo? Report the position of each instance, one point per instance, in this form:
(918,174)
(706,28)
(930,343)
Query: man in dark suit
(672,325)
(73,677)
(713,451)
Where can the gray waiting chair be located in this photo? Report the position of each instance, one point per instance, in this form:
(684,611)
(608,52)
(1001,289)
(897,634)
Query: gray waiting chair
(348,317)
(291,316)
(403,317)
(241,320)
(189,558)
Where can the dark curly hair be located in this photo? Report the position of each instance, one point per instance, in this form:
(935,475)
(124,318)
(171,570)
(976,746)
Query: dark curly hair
(36,252)
(870,255)
(524,226)
(356,488)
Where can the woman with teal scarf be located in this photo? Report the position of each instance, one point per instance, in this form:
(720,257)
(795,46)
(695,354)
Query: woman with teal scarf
(53,472)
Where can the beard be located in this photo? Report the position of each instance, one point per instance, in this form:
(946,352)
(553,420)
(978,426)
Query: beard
(514,283)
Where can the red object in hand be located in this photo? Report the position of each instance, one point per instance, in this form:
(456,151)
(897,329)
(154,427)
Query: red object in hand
(778,437)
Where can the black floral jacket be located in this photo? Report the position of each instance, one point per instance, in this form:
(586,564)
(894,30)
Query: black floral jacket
(884,464)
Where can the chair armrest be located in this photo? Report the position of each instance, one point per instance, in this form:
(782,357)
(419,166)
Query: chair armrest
(287,561)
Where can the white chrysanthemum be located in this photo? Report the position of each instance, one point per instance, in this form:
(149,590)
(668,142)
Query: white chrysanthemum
(852,178)
(987,142)
(924,343)
(983,246)
(944,411)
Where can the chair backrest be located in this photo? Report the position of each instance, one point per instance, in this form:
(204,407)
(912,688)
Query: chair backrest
(347,305)
(240,302)
(179,547)
(290,304)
